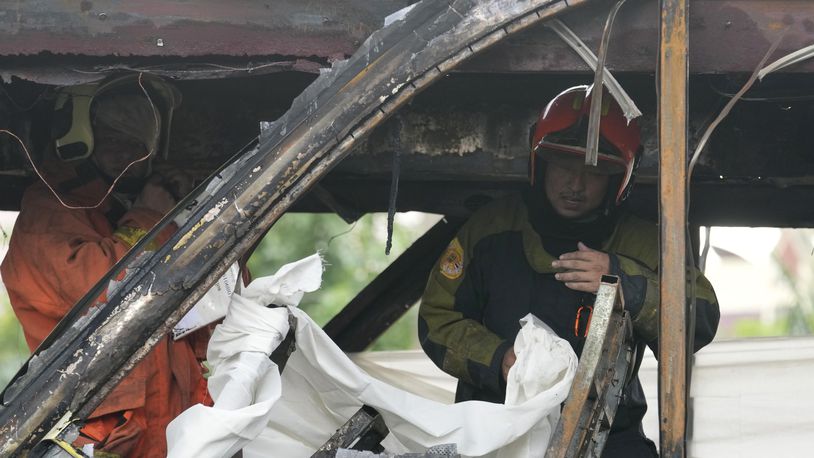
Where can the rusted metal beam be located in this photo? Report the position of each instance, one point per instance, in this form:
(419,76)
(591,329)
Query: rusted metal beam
(179,28)
(723,33)
(673,72)
(259,36)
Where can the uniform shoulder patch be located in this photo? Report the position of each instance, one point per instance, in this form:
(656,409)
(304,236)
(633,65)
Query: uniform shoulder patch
(452,262)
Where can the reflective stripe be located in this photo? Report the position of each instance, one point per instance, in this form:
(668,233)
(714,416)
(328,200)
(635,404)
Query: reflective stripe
(131,236)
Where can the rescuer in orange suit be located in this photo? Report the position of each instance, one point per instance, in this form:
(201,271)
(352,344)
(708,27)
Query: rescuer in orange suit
(58,253)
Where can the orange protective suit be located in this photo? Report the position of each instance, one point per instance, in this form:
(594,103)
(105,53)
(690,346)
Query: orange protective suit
(55,256)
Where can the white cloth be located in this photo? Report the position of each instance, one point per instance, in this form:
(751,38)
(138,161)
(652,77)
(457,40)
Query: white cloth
(322,388)
(543,359)
(538,350)
(244,383)
(410,370)
(287,286)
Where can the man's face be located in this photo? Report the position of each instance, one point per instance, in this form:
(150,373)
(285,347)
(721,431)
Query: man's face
(113,151)
(573,189)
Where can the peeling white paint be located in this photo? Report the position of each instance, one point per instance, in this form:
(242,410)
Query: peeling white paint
(239,210)
(132,294)
(152,282)
(72,368)
(215,211)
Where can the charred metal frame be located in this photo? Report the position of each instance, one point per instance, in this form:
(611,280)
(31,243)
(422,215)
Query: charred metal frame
(672,373)
(89,357)
(602,373)
(251,195)
(202,28)
(391,293)
(256,37)
(363,431)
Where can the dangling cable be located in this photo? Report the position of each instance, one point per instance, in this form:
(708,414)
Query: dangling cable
(592,145)
(692,305)
(394,191)
(702,261)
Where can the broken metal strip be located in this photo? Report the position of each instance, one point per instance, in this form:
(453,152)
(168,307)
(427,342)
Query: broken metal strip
(790,59)
(567,35)
(731,103)
(592,145)
(672,109)
(585,418)
(363,431)
(341,107)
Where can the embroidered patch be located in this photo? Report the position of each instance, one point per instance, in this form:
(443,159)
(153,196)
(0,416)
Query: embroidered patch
(452,263)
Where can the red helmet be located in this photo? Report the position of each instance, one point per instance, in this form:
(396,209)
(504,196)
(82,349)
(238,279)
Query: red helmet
(562,128)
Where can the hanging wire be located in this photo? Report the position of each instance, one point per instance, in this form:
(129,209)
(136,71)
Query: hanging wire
(728,107)
(168,69)
(693,161)
(345,232)
(394,191)
(764,98)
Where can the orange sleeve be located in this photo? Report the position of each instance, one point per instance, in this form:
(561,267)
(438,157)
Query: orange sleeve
(68,251)
(55,256)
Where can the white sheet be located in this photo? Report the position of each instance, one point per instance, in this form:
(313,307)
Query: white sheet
(321,388)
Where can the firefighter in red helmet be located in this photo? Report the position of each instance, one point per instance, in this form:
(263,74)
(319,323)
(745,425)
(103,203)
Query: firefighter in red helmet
(543,251)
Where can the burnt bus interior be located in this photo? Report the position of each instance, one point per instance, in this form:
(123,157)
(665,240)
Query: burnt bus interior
(464,140)
(459,143)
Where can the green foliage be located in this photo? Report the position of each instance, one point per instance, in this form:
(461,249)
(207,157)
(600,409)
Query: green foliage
(354,255)
(753,327)
(793,323)
(13,350)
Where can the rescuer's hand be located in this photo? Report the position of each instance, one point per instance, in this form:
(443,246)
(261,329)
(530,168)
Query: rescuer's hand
(509,358)
(155,196)
(583,268)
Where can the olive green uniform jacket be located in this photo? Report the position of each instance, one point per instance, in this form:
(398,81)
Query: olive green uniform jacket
(497,270)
